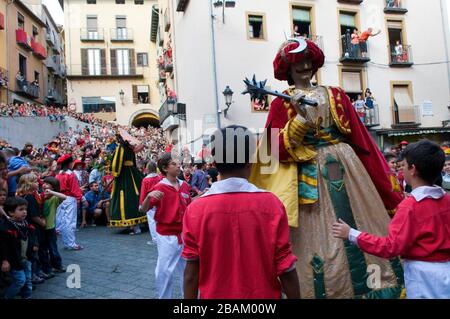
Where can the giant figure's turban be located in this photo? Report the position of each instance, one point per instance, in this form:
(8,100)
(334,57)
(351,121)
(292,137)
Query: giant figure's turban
(285,58)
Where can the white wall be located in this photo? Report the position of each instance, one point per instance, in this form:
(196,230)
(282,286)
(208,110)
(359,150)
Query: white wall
(238,57)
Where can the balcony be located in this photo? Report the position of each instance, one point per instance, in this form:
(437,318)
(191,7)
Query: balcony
(75,71)
(3,78)
(92,35)
(353,53)
(26,88)
(182,5)
(23,40)
(54,97)
(395,7)
(2,21)
(51,64)
(38,50)
(350,1)
(166,21)
(406,116)
(50,39)
(400,56)
(171,111)
(121,35)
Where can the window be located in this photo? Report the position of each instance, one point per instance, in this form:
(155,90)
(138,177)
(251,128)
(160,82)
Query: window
(92,29)
(404,110)
(301,20)
(36,78)
(352,83)
(20,21)
(120,1)
(142,59)
(94,61)
(138,1)
(35,32)
(141,94)
(123,61)
(256,26)
(347,21)
(23,67)
(96,104)
(91,1)
(121,25)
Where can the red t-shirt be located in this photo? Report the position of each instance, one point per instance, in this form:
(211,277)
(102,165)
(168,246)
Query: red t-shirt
(242,243)
(170,209)
(419,231)
(147,185)
(69,185)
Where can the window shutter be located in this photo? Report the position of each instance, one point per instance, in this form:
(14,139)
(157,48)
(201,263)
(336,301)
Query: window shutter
(132,61)
(139,59)
(113,62)
(103,61)
(84,62)
(135,94)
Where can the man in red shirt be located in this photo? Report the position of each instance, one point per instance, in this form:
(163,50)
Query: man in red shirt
(236,236)
(144,200)
(66,216)
(363,40)
(420,230)
(170,197)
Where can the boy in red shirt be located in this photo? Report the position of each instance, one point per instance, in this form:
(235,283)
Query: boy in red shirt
(236,236)
(170,197)
(144,200)
(420,229)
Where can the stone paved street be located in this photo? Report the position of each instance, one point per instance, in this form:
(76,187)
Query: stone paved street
(113,265)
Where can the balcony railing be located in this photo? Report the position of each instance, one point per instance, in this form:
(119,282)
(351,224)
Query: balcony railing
(23,39)
(27,88)
(93,35)
(354,53)
(54,97)
(400,56)
(50,39)
(2,21)
(51,64)
(406,116)
(394,6)
(121,34)
(3,78)
(104,71)
(38,50)
(179,109)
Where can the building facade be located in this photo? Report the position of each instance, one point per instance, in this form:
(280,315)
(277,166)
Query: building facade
(216,44)
(3,62)
(110,60)
(25,54)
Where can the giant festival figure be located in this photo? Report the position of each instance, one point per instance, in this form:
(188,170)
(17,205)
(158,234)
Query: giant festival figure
(328,168)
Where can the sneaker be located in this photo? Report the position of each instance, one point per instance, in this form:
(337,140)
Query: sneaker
(77,247)
(36,280)
(150,243)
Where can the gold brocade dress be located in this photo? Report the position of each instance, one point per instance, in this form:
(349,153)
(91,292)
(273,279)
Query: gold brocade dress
(333,183)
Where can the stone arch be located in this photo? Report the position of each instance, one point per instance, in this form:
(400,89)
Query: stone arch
(145,118)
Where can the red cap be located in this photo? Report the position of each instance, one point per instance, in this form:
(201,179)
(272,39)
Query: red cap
(78,162)
(285,59)
(404,143)
(64,158)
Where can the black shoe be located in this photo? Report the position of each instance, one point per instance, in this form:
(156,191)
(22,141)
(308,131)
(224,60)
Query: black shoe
(59,270)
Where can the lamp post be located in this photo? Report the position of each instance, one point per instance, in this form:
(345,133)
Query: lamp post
(228,94)
(122,96)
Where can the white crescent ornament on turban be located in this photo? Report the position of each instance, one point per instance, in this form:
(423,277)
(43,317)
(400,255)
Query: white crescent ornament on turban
(302,45)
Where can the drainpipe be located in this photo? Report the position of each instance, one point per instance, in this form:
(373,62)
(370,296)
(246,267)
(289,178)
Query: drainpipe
(213,45)
(446,32)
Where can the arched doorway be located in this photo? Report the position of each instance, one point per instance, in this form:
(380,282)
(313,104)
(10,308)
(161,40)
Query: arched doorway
(145,119)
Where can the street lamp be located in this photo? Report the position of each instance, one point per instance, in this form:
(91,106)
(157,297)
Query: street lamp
(228,94)
(122,96)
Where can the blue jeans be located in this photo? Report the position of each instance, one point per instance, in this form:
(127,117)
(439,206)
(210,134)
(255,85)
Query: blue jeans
(21,282)
(52,258)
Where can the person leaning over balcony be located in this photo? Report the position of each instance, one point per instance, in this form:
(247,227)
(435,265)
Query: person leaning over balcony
(363,40)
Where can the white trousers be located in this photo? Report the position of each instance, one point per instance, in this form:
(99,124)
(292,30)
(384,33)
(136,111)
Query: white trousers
(169,265)
(66,221)
(427,280)
(152,224)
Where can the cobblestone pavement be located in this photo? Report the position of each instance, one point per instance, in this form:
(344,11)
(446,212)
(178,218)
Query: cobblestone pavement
(112,264)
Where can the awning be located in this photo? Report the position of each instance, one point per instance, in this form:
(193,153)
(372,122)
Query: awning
(418,131)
